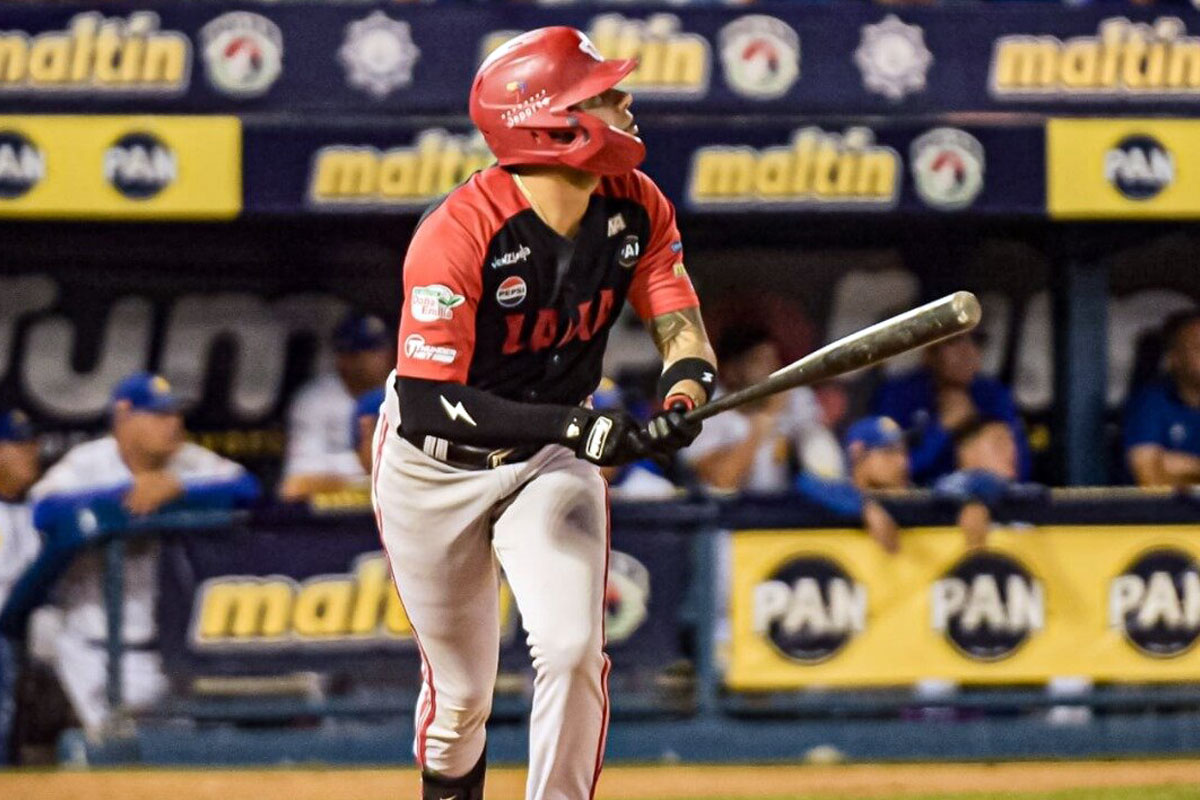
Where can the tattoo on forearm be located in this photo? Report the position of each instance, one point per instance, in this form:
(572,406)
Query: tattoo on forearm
(680,334)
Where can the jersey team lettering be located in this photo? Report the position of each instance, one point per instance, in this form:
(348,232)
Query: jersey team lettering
(416,348)
(434,302)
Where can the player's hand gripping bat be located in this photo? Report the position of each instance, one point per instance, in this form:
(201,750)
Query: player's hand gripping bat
(933,322)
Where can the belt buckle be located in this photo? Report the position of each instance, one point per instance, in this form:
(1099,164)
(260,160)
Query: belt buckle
(496,457)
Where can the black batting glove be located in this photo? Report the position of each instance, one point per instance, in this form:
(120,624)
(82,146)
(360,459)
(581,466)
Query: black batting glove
(608,438)
(669,430)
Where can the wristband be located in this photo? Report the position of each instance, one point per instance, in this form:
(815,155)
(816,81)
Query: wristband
(685,369)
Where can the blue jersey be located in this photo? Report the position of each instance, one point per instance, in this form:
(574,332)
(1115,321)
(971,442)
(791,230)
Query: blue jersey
(1157,415)
(911,400)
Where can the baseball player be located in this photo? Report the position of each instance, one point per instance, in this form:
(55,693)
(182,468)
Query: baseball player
(486,450)
(320,455)
(19,541)
(144,465)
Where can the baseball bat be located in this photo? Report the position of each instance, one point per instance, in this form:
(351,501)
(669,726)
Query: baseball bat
(953,314)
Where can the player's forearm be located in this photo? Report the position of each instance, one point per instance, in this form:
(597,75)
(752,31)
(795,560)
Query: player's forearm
(683,343)
(1180,468)
(471,416)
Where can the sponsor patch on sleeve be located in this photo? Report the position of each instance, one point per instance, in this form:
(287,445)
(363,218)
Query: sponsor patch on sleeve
(434,302)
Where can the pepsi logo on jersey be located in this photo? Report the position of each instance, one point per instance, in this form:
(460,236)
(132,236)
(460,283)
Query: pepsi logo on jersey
(511,292)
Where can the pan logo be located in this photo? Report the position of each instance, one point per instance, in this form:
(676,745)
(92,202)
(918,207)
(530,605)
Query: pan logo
(810,609)
(1155,603)
(22,165)
(140,165)
(1139,167)
(987,606)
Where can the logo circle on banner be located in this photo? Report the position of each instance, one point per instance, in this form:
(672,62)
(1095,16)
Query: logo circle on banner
(140,165)
(22,165)
(987,605)
(761,56)
(947,167)
(1155,602)
(243,53)
(810,609)
(1139,167)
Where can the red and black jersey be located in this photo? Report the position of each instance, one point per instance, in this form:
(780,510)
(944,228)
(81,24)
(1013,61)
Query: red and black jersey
(497,300)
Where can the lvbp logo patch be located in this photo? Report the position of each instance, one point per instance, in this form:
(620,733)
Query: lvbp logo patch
(987,606)
(22,165)
(140,165)
(1155,602)
(810,609)
(947,168)
(1139,167)
(243,53)
(761,56)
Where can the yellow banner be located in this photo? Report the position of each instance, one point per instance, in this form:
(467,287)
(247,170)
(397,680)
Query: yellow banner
(120,167)
(829,608)
(1123,168)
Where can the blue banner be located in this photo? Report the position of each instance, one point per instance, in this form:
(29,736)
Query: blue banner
(315,593)
(815,166)
(781,59)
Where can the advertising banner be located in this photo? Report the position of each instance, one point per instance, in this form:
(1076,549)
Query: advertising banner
(776,58)
(815,167)
(1123,168)
(829,608)
(316,594)
(120,167)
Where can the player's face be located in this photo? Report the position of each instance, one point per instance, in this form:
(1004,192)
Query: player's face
(612,107)
(885,468)
(956,362)
(1185,355)
(365,369)
(156,436)
(993,449)
(19,466)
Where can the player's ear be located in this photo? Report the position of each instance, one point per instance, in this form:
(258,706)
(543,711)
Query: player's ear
(121,411)
(856,450)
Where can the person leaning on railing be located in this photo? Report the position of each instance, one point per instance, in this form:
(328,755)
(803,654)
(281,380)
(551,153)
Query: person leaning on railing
(144,466)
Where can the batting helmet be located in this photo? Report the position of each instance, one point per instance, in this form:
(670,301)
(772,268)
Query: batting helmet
(523,102)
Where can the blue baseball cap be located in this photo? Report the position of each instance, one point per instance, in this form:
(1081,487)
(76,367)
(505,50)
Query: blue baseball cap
(367,405)
(359,332)
(147,392)
(15,427)
(607,396)
(875,432)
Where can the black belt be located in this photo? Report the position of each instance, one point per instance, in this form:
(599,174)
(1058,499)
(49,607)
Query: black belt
(465,456)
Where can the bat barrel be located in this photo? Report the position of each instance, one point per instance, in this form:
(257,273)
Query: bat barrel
(951,315)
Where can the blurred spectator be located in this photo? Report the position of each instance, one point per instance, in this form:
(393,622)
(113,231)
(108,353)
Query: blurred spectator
(19,542)
(878,459)
(986,454)
(943,396)
(142,467)
(362,427)
(320,454)
(639,480)
(758,446)
(1162,420)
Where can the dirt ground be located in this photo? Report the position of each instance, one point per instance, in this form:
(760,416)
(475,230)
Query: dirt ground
(618,783)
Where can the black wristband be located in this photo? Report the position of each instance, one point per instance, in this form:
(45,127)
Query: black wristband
(691,368)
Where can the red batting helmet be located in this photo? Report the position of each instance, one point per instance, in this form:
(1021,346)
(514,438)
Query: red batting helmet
(522,101)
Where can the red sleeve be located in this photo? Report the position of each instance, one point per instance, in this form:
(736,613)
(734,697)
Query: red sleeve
(442,285)
(660,283)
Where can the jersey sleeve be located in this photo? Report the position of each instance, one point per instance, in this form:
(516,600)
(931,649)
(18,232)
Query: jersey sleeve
(442,287)
(660,282)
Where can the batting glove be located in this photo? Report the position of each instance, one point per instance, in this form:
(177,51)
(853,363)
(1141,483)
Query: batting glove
(609,438)
(669,430)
